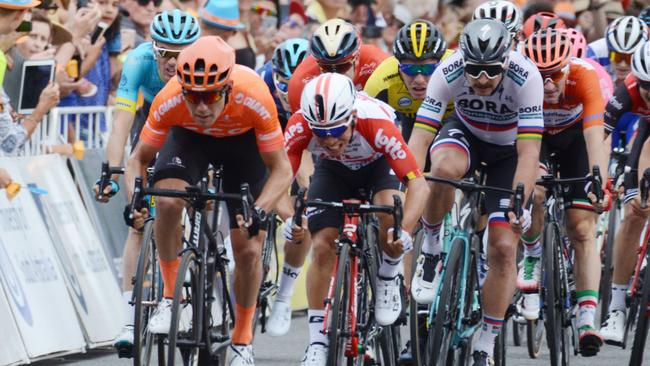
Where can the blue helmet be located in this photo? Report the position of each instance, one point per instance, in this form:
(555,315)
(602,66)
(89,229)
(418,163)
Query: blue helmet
(288,55)
(645,15)
(175,27)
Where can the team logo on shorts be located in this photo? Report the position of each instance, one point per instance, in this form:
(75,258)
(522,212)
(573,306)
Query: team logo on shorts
(176,161)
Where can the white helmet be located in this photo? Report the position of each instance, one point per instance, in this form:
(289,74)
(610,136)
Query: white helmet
(335,41)
(641,62)
(504,11)
(328,100)
(625,34)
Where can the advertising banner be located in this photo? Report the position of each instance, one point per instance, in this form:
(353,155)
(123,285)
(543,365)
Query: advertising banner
(12,350)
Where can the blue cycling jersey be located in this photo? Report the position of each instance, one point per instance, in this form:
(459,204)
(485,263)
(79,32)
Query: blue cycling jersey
(140,72)
(266,73)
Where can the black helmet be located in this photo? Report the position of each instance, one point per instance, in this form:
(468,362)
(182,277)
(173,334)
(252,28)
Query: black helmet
(419,40)
(485,41)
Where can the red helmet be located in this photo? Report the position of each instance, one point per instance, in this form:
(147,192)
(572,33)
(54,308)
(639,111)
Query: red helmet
(549,49)
(578,42)
(542,20)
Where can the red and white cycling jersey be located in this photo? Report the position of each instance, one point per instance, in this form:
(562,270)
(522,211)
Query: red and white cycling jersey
(375,135)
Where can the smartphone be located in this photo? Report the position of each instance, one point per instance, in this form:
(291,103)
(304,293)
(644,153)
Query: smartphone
(98,32)
(24,27)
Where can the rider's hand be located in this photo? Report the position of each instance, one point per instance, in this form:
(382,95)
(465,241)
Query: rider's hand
(251,227)
(109,191)
(396,248)
(635,203)
(605,204)
(522,224)
(137,222)
(292,233)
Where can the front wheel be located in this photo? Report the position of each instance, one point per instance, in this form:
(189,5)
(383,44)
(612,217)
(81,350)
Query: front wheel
(338,314)
(553,306)
(641,332)
(534,337)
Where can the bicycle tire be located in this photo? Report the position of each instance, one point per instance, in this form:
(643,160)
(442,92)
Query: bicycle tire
(500,347)
(338,315)
(220,335)
(534,337)
(608,263)
(417,312)
(641,331)
(442,332)
(147,272)
(266,287)
(551,276)
(471,315)
(517,333)
(183,294)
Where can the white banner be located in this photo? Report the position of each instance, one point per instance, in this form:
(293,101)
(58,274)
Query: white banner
(12,350)
(92,285)
(32,277)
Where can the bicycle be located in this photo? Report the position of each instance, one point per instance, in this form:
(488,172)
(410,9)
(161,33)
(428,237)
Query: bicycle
(456,313)
(639,292)
(268,287)
(557,290)
(202,279)
(349,322)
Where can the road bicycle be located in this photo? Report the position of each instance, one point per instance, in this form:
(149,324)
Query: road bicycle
(349,323)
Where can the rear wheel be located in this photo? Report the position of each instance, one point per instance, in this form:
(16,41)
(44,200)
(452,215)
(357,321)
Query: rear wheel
(338,313)
(608,266)
(534,337)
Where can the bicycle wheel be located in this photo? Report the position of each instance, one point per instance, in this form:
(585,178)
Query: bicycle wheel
(219,332)
(267,287)
(608,265)
(442,332)
(185,329)
(417,312)
(641,332)
(338,314)
(534,337)
(500,347)
(553,305)
(147,291)
(471,314)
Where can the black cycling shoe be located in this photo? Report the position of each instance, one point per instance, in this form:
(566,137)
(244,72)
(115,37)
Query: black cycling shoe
(590,342)
(482,359)
(406,357)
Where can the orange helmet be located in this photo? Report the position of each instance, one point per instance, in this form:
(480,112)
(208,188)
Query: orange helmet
(542,20)
(205,65)
(549,49)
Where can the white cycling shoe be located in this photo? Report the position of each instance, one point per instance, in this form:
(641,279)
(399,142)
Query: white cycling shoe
(530,306)
(279,321)
(613,329)
(161,319)
(426,279)
(315,355)
(388,302)
(240,355)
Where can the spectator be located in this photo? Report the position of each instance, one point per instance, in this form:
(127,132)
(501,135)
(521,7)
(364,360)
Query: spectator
(5,179)
(138,15)
(395,20)
(323,10)
(221,18)
(262,20)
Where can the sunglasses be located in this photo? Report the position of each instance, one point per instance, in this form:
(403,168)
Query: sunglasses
(413,70)
(260,10)
(492,71)
(617,57)
(146,2)
(165,53)
(643,84)
(210,97)
(336,131)
(281,86)
(557,76)
(341,68)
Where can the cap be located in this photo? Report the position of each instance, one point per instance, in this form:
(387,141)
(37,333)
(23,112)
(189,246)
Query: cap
(222,14)
(295,7)
(19,4)
(60,34)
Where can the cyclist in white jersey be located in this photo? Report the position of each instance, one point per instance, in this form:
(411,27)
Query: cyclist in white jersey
(498,120)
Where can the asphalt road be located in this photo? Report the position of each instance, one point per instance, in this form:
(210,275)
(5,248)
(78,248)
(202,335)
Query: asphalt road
(288,350)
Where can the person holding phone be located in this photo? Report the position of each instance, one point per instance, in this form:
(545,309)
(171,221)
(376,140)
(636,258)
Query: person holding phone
(147,68)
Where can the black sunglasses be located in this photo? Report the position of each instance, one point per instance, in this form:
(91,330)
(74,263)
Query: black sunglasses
(146,2)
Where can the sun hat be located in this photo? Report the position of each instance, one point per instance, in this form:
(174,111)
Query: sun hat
(221,14)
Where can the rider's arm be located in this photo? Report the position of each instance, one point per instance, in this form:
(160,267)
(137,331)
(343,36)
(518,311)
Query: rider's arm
(279,178)
(593,121)
(618,104)
(296,139)
(137,164)
(122,122)
(429,116)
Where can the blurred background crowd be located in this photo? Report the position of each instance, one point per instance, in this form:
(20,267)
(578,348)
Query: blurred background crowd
(88,70)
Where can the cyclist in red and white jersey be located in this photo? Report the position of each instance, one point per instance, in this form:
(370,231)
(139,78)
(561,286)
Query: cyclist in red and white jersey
(498,96)
(335,47)
(359,147)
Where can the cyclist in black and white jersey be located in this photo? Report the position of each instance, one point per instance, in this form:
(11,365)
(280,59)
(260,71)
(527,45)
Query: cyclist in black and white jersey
(498,120)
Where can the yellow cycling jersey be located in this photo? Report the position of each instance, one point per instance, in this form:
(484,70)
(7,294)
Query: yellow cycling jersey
(387,85)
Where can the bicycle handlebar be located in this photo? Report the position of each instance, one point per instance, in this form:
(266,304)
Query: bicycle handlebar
(467,185)
(645,188)
(105,178)
(518,200)
(299,206)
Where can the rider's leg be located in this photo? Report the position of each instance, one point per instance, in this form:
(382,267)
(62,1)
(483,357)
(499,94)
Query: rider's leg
(129,263)
(529,273)
(248,276)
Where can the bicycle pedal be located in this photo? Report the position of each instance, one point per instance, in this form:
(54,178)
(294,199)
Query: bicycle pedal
(124,351)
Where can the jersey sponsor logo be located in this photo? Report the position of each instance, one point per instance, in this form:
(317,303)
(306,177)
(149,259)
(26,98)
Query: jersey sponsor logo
(123,81)
(222,131)
(521,71)
(270,135)
(367,69)
(391,145)
(404,101)
(448,70)
(14,288)
(615,103)
(253,104)
(531,109)
(436,106)
(292,130)
(166,106)
(480,105)
(391,76)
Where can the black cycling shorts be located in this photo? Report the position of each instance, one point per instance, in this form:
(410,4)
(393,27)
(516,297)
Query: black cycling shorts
(187,154)
(500,164)
(570,152)
(631,181)
(334,182)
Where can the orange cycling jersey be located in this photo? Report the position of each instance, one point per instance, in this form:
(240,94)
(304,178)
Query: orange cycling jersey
(369,59)
(249,106)
(580,101)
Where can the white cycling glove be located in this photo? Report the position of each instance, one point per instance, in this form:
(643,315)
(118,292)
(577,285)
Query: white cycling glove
(525,220)
(405,237)
(287,231)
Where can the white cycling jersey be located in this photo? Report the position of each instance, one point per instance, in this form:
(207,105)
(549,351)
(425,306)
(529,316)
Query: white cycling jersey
(513,110)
